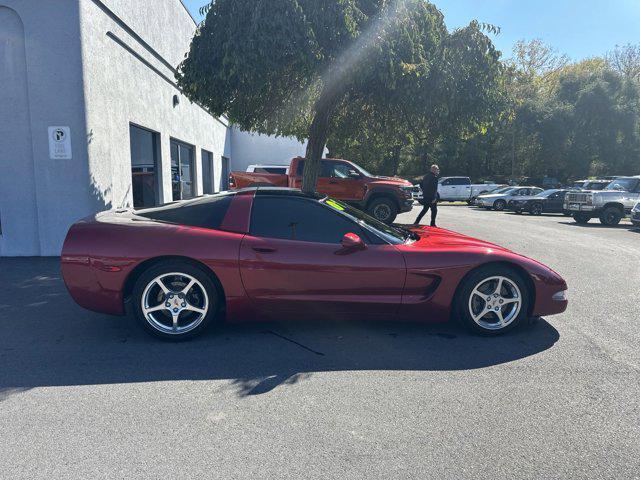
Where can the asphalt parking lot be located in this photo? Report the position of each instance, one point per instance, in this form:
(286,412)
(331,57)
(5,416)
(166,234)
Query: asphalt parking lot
(84,395)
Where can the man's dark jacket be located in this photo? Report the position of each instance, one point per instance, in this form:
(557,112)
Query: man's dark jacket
(429,185)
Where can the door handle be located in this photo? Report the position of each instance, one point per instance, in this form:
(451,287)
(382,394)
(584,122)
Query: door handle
(264,249)
(333,182)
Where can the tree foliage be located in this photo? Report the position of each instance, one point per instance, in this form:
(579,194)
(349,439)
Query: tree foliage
(384,83)
(316,68)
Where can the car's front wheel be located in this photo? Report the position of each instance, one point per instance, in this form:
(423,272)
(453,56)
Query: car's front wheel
(383,209)
(581,218)
(492,300)
(175,300)
(499,205)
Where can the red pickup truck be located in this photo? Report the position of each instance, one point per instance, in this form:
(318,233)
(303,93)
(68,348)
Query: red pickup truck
(381,197)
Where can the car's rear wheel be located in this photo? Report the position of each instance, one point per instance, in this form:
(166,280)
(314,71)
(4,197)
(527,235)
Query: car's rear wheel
(492,300)
(611,216)
(175,300)
(499,205)
(383,209)
(581,218)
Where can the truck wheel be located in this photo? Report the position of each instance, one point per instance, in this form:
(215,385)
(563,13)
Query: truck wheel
(581,218)
(611,216)
(383,209)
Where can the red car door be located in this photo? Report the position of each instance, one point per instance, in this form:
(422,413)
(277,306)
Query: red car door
(337,179)
(293,265)
(340,180)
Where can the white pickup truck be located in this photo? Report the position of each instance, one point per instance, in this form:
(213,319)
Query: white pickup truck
(460,188)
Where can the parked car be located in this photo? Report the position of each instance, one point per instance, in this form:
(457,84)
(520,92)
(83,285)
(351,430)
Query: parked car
(381,197)
(275,253)
(609,205)
(499,201)
(497,189)
(279,169)
(548,201)
(599,184)
(453,189)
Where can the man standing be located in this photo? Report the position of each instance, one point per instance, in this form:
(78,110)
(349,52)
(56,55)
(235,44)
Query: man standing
(429,185)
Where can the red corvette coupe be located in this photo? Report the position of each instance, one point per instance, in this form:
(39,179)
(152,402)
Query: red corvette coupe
(271,253)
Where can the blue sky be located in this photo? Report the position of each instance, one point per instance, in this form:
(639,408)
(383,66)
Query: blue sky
(578,28)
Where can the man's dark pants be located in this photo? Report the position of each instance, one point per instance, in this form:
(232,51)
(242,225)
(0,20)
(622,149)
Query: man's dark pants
(434,213)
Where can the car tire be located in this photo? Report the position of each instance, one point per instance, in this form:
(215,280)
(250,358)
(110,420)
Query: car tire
(499,205)
(536,209)
(581,218)
(477,299)
(383,209)
(611,216)
(176,319)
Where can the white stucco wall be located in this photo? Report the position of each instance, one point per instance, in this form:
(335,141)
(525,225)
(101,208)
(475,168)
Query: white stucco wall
(127,83)
(252,148)
(41,87)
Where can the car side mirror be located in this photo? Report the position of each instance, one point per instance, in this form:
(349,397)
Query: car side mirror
(351,241)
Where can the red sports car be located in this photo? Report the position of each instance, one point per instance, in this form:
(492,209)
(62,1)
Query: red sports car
(270,253)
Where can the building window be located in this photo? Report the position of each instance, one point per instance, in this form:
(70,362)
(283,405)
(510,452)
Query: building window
(207,172)
(182,170)
(224,181)
(144,166)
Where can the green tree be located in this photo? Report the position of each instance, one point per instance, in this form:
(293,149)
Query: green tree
(291,67)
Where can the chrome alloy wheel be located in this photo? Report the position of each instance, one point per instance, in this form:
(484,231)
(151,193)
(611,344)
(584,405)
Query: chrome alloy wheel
(382,212)
(174,303)
(495,302)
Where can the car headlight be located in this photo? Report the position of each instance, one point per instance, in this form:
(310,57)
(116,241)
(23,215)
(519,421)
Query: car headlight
(636,208)
(560,296)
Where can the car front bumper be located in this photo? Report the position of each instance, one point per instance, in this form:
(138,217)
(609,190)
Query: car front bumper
(580,207)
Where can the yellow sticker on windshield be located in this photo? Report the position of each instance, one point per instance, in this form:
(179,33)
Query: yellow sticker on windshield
(334,204)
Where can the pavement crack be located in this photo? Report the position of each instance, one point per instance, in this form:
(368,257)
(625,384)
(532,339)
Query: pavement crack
(295,342)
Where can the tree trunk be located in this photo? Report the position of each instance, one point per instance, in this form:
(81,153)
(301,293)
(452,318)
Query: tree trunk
(318,134)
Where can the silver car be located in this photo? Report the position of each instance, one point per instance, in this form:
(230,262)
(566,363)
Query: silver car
(498,200)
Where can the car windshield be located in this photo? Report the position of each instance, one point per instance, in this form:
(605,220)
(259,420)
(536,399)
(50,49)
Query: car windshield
(622,184)
(502,190)
(362,170)
(386,232)
(546,193)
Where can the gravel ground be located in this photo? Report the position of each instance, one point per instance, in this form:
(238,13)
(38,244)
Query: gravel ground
(84,395)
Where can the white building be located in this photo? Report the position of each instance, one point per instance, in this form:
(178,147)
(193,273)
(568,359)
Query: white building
(91,117)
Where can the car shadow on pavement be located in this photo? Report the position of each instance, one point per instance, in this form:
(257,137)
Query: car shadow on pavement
(47,340)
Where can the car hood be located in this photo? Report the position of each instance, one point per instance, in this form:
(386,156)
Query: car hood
(493,196)
(446,239)
(390,181)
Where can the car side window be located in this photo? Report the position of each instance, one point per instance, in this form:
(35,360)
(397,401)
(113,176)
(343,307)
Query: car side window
(460,181)
(335,170)
(301,219)
(203,213)
(447,182)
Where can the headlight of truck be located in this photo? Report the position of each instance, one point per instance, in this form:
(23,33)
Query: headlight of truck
(589,199)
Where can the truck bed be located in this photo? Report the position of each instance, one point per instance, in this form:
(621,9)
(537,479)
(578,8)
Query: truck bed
(245,179)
